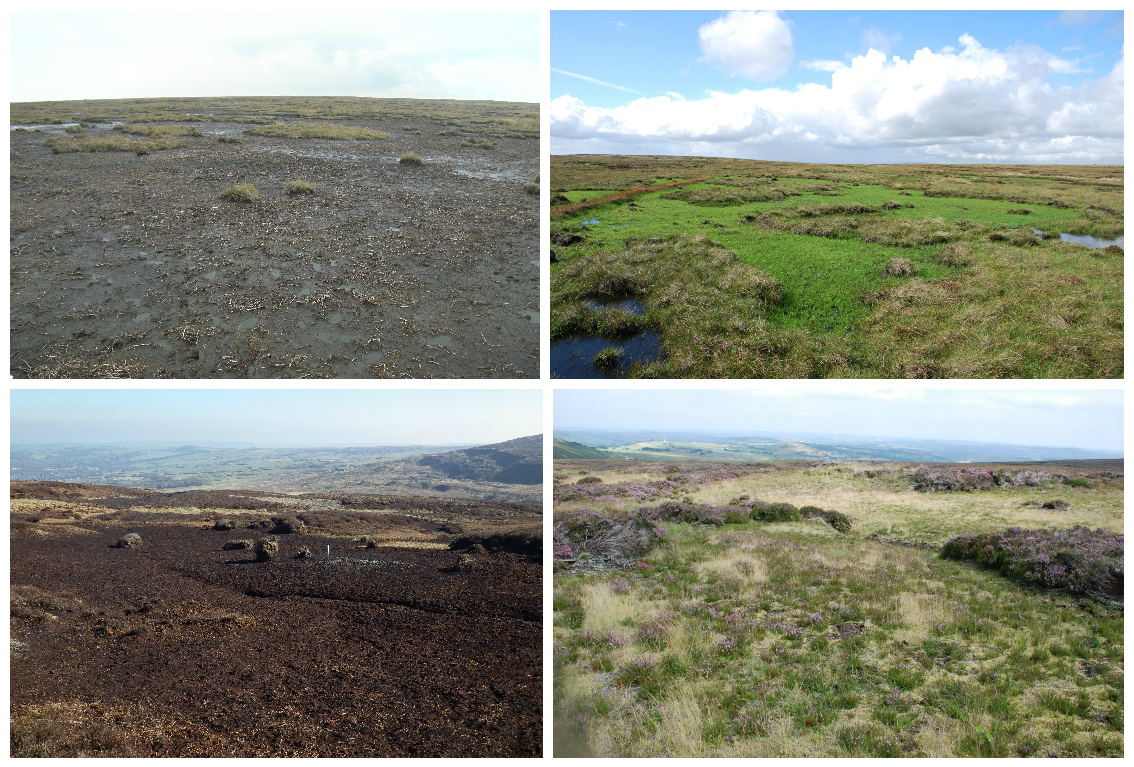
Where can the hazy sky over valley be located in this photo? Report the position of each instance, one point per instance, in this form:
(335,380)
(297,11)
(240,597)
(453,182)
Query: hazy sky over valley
(841,86)
(276,417)
(63,55)
(1083,418)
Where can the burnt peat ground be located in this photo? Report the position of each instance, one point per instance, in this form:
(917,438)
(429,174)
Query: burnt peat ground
(426,644)
(129,265)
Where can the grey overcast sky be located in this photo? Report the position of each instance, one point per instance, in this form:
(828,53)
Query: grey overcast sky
(64,55)
(1083,418)
(276,417)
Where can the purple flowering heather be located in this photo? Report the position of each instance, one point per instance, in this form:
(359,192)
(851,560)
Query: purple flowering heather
(1077,559)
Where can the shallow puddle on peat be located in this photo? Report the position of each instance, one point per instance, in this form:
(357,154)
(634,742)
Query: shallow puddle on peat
(573,357)
(1092,242)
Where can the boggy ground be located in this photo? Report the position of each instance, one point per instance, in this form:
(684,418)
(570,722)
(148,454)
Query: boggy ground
(713,632)
(181,648)
(128,265)
(752,269)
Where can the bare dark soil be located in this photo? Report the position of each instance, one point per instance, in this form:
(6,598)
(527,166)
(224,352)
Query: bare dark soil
(130,266)
(181,648)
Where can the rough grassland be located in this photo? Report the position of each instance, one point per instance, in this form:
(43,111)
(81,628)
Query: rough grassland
(979,295)
(791,639)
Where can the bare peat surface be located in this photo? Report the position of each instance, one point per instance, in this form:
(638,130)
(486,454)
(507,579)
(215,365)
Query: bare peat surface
(126,265)
(426,643)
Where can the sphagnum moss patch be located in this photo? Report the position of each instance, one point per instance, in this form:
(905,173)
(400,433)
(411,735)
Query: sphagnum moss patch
(752,638)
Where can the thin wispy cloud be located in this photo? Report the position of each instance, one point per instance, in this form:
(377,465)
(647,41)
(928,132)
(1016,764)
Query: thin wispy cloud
(596,82)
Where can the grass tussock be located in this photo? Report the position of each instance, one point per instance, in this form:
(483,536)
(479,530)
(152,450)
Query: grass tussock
(698,296)
(411,158)
(328,131)
(159,131)
(228,140)
(300,187)
(240,193)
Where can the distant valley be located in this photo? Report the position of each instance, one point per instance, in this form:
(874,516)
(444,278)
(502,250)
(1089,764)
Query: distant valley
(734,446)
(506,471)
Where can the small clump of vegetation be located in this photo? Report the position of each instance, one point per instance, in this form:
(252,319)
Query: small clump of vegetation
(228,140)
(75,129)
(129,541)
(240,193)
(242,544)
(900,267)
(224,524)
(478,142)
(307,130)
(300,187)
(411,158)
(266,549)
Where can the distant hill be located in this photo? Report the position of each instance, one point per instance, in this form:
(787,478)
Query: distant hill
(517,461)
(561,448)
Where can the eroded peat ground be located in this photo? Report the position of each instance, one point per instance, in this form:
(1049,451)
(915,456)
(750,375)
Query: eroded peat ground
(423,644)
(806,610)
(751,269)
(128,265)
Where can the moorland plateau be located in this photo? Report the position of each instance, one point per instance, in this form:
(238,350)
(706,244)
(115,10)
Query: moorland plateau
(274,238)
(214,623)
(674,267)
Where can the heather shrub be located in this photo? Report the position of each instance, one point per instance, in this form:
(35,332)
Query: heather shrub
(224,524)
(1078,559)
(287,525)
(242,544)
(835,519)
(304,552)
(1077,482)
(775,512)
(590,481)
(266,548)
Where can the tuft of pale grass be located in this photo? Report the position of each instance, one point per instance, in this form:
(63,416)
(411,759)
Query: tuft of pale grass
(306,130)
(411,158)
(604,610)
(300,187)
(240,193)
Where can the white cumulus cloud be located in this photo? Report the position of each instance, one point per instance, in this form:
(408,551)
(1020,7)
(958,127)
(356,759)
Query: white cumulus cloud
(753,44)
(974,104)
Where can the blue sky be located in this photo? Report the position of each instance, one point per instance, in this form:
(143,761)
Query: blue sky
(62,55)
(276,417)
(966,86)
(1083,418)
